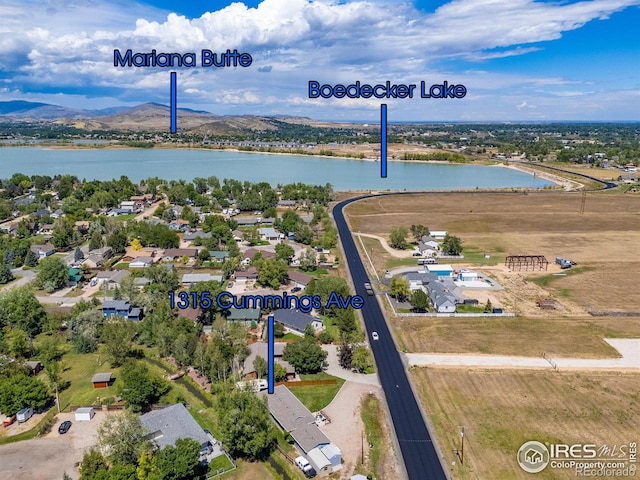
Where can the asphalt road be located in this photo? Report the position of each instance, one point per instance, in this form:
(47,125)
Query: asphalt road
(420,457)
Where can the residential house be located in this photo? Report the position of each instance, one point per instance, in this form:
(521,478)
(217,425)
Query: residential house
(190,236)
(105,252)
(93,261)
(293,417)
(243,315)
(57,214)
(173,254)
(190,279)
(170,424)
(296,320)
(43,251)
(218,255)
(250,273)
(248,255)
(122,308)
(141,262)
(116,212)
(261,349)
(179,224)
(269,234)
(300,279)
(287,203)
(439,234)
(111,278)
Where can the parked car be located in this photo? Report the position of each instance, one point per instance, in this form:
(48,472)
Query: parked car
(417,254)
(64,427)
(295,289)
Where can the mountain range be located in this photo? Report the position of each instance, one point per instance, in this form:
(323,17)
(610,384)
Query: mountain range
(144,117)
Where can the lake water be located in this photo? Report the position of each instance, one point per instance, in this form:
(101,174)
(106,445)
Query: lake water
(175,164)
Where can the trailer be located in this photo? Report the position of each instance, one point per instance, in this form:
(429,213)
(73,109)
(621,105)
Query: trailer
(24,414)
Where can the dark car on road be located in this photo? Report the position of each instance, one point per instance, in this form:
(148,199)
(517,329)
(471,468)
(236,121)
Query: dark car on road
(64,427)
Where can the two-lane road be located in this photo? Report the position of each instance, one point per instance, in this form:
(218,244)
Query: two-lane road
(420,457)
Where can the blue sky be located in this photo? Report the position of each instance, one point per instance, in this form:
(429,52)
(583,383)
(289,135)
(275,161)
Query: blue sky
(521,60)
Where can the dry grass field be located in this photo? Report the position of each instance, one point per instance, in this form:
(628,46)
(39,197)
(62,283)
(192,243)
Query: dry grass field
(503,409)
(603,241)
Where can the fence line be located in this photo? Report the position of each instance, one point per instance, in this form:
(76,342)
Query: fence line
(308,383)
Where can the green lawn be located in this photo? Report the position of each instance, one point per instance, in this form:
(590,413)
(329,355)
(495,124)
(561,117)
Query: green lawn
(317,397)
(220,464)
(371,414)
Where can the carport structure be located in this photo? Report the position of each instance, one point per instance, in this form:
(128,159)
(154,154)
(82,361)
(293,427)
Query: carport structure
(526,262)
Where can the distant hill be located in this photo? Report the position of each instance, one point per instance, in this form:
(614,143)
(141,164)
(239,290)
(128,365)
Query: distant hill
(144,117)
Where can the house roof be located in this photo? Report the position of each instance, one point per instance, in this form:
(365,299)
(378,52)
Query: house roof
(194,235)
(261,349)
(251,272)
(200,277)
(101,377)
(116,305)
(142,260)
(300,277)
(42,248)
(295,418)
(294,319)
(252,251)
(180,252)
(243,314)
(218,254)
(172,423)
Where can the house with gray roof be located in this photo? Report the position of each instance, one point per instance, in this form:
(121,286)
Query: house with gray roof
(296,320)
(173,423)
(122,308)
(190,279)
(293,417)
(243,315)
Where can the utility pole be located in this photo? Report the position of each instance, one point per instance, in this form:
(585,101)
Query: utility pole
(461,451)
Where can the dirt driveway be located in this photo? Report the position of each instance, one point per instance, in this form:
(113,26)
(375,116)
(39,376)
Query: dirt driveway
(49,457)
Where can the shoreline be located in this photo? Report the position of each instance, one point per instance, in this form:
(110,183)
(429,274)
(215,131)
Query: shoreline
(557,180)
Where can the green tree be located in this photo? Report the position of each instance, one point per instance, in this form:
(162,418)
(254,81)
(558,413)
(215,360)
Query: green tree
(19,307)
(261,366)
(83,330)
(17,342)
(5,274)
(52,274)
(122,437)
(308,260)
(488,307)
(305,355)
(400,287)
(96,240)
(452,245)
(117,335)
(20,391)
(361,358)
(279,372)
(118,242)
(419,300)
(93,464)
(245,423)
(284,252)
(140,386)
(180,462)
(271,272)
(78,255)
(419,231)
(63,233)
(398,237)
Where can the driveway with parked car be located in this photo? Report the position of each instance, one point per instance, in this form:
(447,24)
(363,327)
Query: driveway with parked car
(51,455)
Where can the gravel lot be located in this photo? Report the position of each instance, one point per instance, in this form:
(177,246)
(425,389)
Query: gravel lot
(49,457)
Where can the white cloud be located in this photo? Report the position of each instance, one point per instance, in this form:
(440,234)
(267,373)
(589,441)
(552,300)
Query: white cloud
(56,44)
